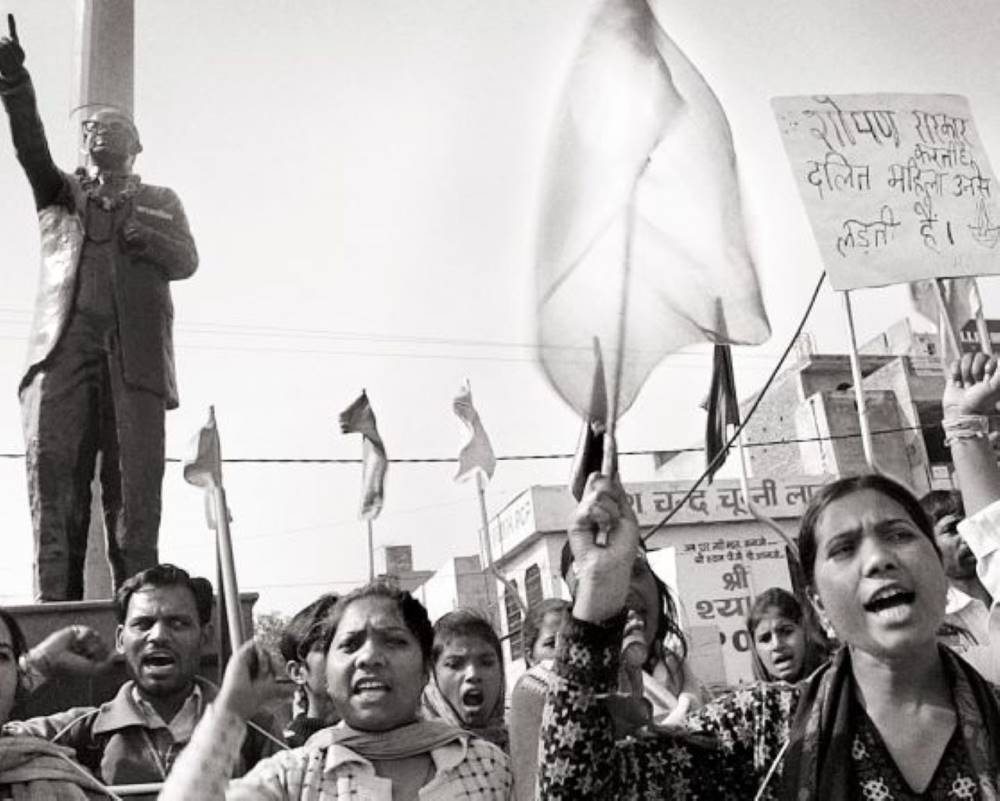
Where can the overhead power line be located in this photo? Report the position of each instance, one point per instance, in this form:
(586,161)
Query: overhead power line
(542,456)
(721,455)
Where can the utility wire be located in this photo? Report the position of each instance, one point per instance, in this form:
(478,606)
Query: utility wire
(542,456)
(721,455)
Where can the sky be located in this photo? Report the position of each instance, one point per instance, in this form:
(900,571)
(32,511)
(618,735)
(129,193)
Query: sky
(362,180)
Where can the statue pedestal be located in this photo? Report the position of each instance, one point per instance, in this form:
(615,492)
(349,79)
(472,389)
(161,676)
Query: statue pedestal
(40,620)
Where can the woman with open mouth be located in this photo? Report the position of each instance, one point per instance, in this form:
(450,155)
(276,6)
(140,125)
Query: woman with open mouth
(892,715)
(785,648)
(378,659)
(466,688)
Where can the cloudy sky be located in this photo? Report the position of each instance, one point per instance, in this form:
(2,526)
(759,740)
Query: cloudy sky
(362,180)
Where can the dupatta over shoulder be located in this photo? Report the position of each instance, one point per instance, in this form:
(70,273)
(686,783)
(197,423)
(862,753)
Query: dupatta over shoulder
(817,761)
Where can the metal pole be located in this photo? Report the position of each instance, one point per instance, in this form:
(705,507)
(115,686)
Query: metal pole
(233,617)
(488,550)
(859,392)
(371,551)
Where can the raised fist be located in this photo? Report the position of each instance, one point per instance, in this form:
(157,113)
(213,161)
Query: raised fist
(972,386)
(11,52)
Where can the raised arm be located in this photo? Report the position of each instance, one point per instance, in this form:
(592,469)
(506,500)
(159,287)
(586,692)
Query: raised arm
(972,391)
(26,129)
(202,770)
(580,758)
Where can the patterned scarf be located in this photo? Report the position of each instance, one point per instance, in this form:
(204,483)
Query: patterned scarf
(413,739)
(817,762)
(436,707)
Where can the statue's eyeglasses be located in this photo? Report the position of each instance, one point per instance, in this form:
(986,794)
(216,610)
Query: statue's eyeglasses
(91,127)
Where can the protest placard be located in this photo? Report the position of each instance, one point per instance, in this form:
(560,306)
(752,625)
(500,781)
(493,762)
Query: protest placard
(897,187)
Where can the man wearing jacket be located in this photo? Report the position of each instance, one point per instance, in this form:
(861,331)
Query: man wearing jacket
(100,372)
(164,624)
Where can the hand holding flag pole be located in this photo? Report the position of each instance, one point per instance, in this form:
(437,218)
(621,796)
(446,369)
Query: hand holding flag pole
(204,469)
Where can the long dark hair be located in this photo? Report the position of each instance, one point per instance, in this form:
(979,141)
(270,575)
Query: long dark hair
(19,645)
(844,487)
(817,647)
(667,628)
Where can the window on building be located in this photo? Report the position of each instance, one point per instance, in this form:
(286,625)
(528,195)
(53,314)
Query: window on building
(929,414)
(514,622)
(533,586)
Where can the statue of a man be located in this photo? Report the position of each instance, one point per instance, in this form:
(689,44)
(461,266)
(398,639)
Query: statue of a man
(100,363)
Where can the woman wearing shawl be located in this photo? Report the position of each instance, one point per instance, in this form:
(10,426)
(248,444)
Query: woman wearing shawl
(379,644)
(32,769)
(893,715)
(467,683)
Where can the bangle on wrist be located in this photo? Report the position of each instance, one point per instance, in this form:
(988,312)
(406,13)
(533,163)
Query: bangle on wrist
(965,426)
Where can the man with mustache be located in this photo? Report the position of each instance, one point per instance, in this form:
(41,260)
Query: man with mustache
(164,625)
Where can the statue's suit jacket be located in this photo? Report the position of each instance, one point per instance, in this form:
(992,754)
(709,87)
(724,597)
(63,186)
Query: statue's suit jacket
(141,274)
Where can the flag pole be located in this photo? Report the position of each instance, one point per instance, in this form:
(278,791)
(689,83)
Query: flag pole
(488,551)
(233,617)
(859,392)
(371,552)
(944,320)
(981,329)
(609,463)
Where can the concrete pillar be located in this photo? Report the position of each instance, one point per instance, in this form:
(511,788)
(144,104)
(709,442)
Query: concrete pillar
(105,76)
(105,58)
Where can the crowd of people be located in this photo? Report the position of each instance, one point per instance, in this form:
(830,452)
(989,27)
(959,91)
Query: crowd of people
(878,680)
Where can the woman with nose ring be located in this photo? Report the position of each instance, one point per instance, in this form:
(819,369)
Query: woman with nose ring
(378,659)
(891,716)
(467,683)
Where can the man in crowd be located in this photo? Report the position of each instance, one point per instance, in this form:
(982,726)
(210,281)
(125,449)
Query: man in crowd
(969,603)
(164,625)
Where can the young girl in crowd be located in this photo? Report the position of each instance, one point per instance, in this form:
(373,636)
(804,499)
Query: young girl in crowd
(302,649)
(467,685)
(784,646)
(891,716)
(378,660)
(540,635)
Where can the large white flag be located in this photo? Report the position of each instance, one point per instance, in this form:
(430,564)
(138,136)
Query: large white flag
(641,240)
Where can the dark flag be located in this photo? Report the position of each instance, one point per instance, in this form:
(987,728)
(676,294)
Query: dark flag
(358,418)
(722,406)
